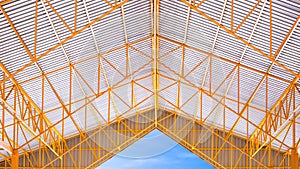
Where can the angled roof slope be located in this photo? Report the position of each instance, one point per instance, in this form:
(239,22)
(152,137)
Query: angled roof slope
(78,66)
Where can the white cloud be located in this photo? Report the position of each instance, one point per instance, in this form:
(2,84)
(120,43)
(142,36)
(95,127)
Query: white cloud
(186,155)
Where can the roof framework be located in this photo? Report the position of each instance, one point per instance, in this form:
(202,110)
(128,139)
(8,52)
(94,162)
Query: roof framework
(230,67)
(210,145)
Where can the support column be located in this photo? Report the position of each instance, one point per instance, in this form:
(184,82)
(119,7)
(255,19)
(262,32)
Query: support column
(295,155)
(155,53)
(15,159)
(295,159)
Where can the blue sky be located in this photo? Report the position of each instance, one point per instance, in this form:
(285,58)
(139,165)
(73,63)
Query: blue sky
(165,153)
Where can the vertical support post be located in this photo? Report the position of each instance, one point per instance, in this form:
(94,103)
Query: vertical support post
(295,159)
(155,46)
(15,159)
(295,155)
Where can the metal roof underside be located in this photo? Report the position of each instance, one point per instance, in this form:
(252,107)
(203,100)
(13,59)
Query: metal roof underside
(109,64)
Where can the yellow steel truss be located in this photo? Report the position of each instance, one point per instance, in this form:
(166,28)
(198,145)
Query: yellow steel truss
(104,142)
(224,148)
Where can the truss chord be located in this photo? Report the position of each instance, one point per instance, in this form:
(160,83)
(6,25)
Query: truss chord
(241,39)
(277,54)
(79,62)
(13,80)
(227,60)
(66,39)
(220,101)
(6,147)
(30,140)
(27,127)
(69,62)
(247,16)
(281,128)
(28,98)
(235,68)
(93,109)
(283,95)
(5,2)
(164,129)
(102,65)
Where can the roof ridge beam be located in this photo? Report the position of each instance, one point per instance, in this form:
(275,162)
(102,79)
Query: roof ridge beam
(155,53)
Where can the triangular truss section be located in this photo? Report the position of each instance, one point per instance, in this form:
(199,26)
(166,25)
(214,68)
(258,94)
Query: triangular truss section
(102,143)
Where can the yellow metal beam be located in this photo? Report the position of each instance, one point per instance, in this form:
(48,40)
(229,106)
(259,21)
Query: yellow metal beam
(291,85)
(155,53)
(101,58)
(231,32)
(289,121)
(192,128)
(225,59)
(26,126)
(276,104)
(6,147)
(22,91)
(5,2)
(8,74)
(67,39)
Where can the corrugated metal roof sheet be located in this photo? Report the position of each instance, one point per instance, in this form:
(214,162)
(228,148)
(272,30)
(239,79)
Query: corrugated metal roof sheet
(113,36)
